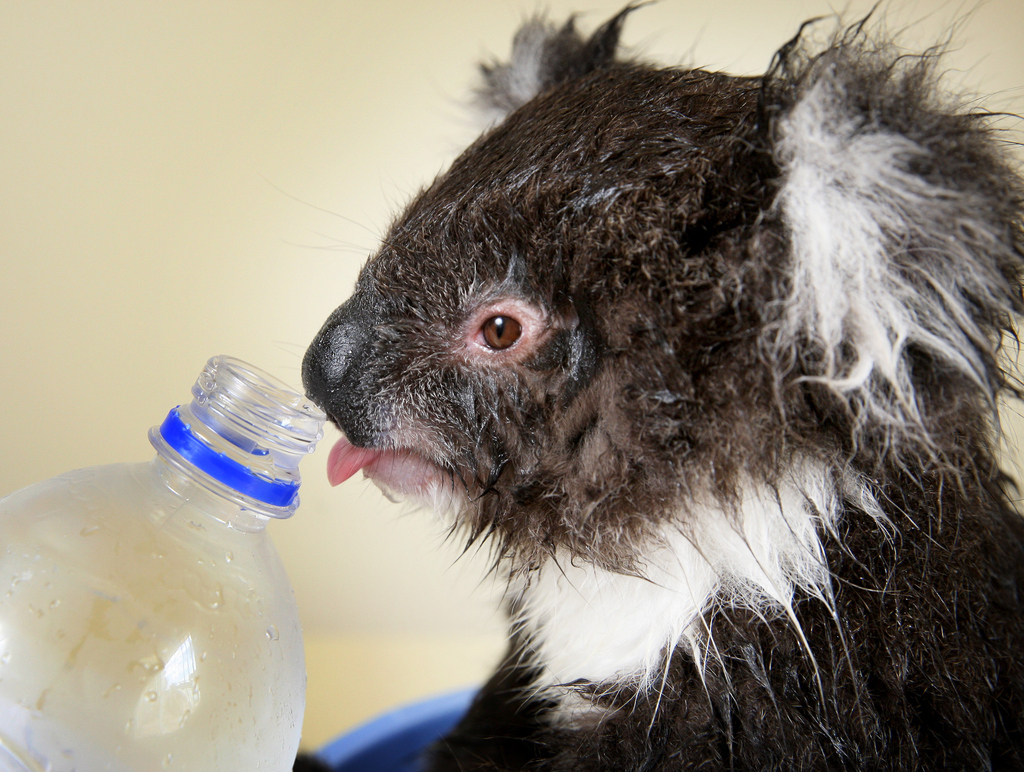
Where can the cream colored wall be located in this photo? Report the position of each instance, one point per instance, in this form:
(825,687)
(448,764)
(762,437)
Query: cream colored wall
(183,179)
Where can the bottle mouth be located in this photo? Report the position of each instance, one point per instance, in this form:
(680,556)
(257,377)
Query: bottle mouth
(254,410)
(243,435)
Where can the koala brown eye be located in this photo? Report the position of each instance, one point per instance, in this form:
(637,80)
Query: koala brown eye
(500,332)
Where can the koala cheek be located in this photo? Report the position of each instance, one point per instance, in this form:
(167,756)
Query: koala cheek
(583,361)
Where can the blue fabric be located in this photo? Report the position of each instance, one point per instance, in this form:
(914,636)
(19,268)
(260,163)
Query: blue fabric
(394,741)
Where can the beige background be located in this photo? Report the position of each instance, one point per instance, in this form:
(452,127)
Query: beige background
(189,178)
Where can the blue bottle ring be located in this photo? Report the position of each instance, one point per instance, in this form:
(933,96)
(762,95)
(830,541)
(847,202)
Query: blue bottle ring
(178,435)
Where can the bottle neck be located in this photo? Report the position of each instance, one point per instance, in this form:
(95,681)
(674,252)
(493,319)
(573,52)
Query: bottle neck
(204,496)
(240,439)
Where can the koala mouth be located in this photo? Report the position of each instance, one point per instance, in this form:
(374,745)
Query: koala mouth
(402,471)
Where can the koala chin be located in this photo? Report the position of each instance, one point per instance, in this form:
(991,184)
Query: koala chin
(712,363)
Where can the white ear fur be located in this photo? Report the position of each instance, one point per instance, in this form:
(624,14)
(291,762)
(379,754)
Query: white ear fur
(882,258)
(544,55)
(513,84)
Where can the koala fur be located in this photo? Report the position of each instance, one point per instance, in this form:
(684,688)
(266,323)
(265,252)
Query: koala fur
(711,363)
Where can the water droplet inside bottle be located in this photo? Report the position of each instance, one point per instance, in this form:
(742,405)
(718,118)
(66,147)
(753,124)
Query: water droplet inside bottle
(151,696)
(89,530)
(216,598)
(150,664)
(255,602)
(167,761)
(272,634)
(228,556)
(55,603)
(5,658)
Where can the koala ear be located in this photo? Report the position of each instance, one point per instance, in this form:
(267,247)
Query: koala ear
(544,55)
(902,213)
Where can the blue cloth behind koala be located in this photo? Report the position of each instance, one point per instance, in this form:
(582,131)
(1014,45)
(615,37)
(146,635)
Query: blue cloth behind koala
(394,741)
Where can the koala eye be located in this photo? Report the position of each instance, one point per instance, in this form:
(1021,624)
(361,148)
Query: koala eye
(500,332)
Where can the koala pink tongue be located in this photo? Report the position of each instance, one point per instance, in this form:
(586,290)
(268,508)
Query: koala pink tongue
(346,459)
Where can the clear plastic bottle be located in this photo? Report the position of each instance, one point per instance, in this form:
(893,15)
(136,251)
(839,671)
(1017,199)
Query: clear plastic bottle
(146,622)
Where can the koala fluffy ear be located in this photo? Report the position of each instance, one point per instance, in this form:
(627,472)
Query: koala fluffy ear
(902,213)
(543,56)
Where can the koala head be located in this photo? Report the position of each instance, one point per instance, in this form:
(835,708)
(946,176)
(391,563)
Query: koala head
(643,286)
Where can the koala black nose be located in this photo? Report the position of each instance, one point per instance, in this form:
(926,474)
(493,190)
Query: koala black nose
(340,370)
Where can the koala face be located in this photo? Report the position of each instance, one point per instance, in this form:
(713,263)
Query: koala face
(537,327)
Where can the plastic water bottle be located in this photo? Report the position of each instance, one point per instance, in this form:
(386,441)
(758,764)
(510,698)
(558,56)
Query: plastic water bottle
(146,622)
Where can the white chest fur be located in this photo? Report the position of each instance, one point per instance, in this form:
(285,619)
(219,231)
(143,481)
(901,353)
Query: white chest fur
(593,626)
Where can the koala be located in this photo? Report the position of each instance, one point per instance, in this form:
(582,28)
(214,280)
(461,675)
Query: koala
(711,364)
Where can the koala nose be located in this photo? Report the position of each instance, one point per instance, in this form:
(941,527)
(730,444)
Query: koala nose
(340,370)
